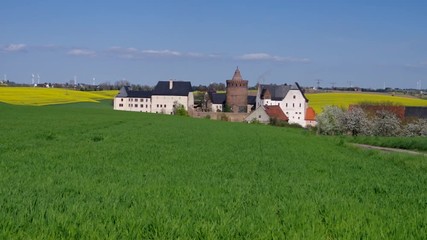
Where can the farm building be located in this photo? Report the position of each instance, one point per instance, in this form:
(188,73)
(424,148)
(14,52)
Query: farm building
(217,102)
(236,97)
(265,114)
(290,98)
(165,96)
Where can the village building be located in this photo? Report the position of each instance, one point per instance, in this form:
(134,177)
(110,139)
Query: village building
(310,117)
(290,98)
(235,99)
(237,93)
(265,114)
(164,98)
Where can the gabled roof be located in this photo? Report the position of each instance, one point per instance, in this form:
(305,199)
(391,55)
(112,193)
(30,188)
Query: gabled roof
(251,100)
(275,111)
(418,112)
(179,88)
(217,98)
(310,114)
(277,92)
(139,94)
(302,92)
(127,92)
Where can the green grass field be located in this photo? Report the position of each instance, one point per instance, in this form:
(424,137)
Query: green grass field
(86,171)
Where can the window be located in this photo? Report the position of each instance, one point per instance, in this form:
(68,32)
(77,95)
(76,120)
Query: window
(293,104)
(295,96)
(157,106)
(165,105)
(136,99)
(122,99)
(259,116)
(120,105)
(286,104)
(146,105)
(298,117)
(300,105)
(142,105)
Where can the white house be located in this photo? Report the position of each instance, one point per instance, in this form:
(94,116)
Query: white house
(263,114)
(162,99)
(290,98)
(136,101)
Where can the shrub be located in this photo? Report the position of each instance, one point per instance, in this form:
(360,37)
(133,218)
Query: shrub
(179,109)
(357,122)
(331,121)
(416,128)
(224,117)
(386,124)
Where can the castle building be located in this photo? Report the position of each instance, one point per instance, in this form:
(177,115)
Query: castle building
(237,93)
(164,98)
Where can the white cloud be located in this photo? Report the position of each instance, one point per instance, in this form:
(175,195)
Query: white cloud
(81,52)
(127,53)
(268,57)
(15,47)
(421,64)
(123,50)
(162,52)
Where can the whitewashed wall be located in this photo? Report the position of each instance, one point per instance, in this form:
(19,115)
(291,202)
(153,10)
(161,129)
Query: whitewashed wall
(132,104)
(294,106)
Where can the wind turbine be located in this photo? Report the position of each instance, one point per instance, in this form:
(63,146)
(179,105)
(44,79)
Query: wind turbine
(32,79)
(38,78)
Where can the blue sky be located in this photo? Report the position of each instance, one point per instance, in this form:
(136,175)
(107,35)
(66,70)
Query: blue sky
(366,43)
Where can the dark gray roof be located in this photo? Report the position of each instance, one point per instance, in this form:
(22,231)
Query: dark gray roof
(217,98)
(278,92)
(251,100)
(179,88)
(127,92)
(417,112)
(140,94)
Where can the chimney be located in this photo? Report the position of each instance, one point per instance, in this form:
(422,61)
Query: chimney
(170,84)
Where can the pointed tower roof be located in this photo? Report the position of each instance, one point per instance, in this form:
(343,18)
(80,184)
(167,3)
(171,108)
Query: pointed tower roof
(237,76)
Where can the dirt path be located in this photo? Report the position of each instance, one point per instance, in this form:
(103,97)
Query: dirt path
(385,149)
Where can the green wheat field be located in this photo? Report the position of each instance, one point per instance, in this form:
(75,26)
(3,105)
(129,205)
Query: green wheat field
(84,171)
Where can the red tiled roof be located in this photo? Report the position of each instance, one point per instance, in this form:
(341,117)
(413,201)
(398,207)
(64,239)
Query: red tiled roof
(310,114)
(276,112)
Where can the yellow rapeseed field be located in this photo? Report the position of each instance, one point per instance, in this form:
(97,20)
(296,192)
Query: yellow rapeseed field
(47,96)
(320,100)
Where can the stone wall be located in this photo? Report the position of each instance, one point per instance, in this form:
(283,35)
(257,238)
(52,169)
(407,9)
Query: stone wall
(225,116)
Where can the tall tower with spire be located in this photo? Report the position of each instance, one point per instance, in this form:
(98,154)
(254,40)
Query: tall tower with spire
(237,93)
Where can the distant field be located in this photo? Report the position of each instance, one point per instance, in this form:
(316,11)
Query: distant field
(47,96)
(85,171)
(320,100)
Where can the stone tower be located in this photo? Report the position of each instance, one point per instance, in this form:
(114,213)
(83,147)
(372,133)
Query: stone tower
(237,93)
